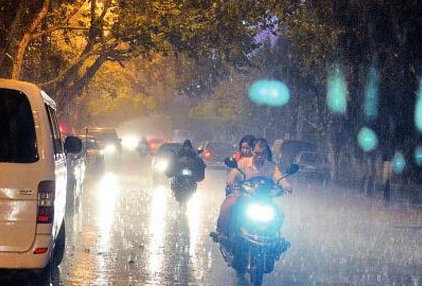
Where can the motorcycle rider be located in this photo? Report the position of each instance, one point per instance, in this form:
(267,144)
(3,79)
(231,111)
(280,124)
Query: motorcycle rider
(187,150)
(259,164)
(143,146)
(189,156)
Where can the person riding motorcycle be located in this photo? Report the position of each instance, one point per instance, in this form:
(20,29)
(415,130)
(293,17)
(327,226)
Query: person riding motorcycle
(143,147)
(187,150)
(260,164)
(188,156)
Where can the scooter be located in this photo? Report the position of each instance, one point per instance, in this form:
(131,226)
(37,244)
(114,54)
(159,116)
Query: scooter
(255,243)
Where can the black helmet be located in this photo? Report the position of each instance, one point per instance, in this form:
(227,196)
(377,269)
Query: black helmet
(187,143)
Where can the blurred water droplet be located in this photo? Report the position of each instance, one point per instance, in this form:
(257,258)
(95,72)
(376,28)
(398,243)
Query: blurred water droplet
(418,156)
(399,163)
(367,139)
(370,106)
(337,91)
(269,92)
(418,109)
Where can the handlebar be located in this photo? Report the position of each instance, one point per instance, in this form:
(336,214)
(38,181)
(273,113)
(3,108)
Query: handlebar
(259,186)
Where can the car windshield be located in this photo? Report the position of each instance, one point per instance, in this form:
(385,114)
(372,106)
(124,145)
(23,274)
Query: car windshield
(92,144)
(104,135)
(289,149)
(17,128)
(311,158)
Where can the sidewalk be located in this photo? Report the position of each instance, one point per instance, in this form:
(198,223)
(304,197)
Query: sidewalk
(410,194)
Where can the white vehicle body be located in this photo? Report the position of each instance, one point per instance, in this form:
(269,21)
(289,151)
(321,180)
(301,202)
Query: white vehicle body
(32,191)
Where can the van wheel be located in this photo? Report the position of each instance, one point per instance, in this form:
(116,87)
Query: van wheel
(60,246)
(41,277)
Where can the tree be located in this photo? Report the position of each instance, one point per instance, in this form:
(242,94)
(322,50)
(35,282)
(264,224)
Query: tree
(84,35)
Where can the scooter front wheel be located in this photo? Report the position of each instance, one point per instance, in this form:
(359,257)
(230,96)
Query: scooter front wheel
(257,271)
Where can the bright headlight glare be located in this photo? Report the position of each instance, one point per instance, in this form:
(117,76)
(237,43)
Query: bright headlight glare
(110,148)
(130,142)
(260,213)
(187,172)
(161,165)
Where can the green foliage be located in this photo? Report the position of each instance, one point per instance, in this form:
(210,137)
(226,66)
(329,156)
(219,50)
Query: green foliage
(228,104)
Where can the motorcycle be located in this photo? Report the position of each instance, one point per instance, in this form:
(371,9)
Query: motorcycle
(255,243)
(185,179)
(144,150)
(183,185)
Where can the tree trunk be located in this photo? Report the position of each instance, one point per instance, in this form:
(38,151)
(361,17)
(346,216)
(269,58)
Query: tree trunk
(23,43)
(64,93)
(11,35)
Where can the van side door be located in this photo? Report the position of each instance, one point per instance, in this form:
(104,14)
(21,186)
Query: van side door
(60,170)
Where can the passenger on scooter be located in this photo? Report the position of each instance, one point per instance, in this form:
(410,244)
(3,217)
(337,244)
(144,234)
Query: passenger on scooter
(259,164)
(245,151)
(245,147)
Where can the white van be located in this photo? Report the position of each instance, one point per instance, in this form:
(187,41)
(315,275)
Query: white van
(32,177)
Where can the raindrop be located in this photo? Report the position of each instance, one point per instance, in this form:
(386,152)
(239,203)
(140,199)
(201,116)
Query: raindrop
(367,139)
(418,109)
(269,92)
(337,91)
(370,106)
(399,163)
(418,156)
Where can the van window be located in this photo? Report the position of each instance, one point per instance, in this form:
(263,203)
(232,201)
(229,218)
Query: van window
(18,142)
(57,140)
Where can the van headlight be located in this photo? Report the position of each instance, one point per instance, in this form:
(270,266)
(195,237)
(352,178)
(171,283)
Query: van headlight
(260,213)
(161,165)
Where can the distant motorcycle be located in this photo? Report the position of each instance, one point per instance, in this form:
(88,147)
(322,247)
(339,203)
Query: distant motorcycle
(186,175)
(254,244)
(144,151)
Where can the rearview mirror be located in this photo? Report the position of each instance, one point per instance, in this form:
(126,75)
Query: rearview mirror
(293,169)
(73,144)
(231,163)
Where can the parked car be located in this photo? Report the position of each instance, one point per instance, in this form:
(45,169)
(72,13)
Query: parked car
(33,178)
(155,144)
(108,140)
(214,153)
(94,154)
(289,149)
(313,166)
(162,160)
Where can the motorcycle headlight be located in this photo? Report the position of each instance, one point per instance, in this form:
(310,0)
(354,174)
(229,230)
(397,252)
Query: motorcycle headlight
(249,188)
(161,165)
(187,172)
(260,213)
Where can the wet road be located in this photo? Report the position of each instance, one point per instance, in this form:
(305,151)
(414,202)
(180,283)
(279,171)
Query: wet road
(126,231)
